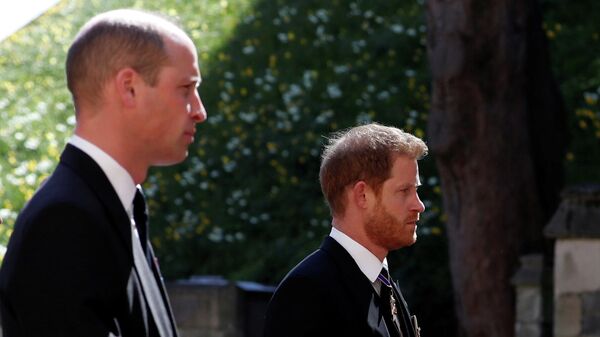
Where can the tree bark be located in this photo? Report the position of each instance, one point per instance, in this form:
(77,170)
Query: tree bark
(497,131)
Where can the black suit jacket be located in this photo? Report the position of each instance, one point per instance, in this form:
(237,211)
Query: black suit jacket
(68,269)
(328,295)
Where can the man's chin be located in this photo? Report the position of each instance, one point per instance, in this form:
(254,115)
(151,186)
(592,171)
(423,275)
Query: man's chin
(404,244)
(172,160)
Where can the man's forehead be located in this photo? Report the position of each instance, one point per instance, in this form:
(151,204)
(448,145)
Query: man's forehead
(405,169)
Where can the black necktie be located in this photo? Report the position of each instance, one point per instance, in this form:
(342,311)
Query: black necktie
(389,305)
(148,281)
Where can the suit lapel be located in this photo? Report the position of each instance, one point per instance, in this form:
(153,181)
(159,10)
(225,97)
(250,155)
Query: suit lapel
(351,275)
(89,171)
(359,289)
(407,328)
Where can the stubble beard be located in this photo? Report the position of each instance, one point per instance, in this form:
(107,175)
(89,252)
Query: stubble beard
(386,231)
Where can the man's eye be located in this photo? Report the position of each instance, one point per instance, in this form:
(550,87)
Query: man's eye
(188,88)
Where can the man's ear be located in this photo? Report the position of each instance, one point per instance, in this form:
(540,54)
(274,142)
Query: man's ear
(125,85)
(361,195)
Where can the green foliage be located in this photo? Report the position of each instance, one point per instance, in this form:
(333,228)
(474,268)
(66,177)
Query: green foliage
(34,109)
(574,37)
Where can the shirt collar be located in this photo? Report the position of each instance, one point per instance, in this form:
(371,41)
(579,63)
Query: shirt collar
(118,177)
(367,262)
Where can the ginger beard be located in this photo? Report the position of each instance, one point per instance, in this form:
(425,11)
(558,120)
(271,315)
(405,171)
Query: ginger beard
(384,230)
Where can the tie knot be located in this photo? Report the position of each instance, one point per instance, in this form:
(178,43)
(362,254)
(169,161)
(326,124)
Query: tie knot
(139,204)
(384,277)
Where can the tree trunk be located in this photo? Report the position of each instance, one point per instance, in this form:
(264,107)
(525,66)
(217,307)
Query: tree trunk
(497,131)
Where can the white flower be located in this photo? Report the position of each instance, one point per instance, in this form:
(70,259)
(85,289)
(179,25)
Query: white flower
(282,37)
(340,69)
(397,28)
(334,90)
(32,143)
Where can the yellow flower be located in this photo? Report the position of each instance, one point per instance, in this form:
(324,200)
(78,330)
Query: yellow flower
(558,27)
(570,156)
(31,165)
(272,147)
(591,99)
(411,83)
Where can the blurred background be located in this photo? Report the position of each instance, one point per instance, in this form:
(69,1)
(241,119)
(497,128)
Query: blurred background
(281,75)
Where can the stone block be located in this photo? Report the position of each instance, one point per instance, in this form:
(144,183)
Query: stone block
(567,316)
(529,305)
(578,214)
(206,310)
(591,314)
(528,330)
(531,271)
(575,268)
(211,306)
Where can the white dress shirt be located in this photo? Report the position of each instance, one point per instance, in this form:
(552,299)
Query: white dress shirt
(119,178)
(367,262)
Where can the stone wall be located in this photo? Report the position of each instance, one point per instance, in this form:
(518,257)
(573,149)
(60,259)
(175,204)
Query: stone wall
(211,306)
(530,320)
(577,288)
(576,228)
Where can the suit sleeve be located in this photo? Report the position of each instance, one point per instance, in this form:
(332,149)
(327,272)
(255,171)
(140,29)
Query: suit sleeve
(60,283)
(298,308)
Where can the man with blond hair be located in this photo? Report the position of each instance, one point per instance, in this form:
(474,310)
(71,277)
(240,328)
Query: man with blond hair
(369,176)
(80,262)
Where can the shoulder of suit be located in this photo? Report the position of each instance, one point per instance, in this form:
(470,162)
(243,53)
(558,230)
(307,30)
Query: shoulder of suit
(63,188)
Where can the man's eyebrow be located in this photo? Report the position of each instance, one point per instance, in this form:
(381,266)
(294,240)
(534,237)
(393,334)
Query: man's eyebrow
(408,185)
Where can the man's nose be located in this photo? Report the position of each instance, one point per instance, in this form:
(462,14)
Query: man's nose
(419,206)
(197,111)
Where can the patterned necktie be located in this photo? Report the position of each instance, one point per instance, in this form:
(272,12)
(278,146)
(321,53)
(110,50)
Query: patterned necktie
(389,305)
(149,283)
